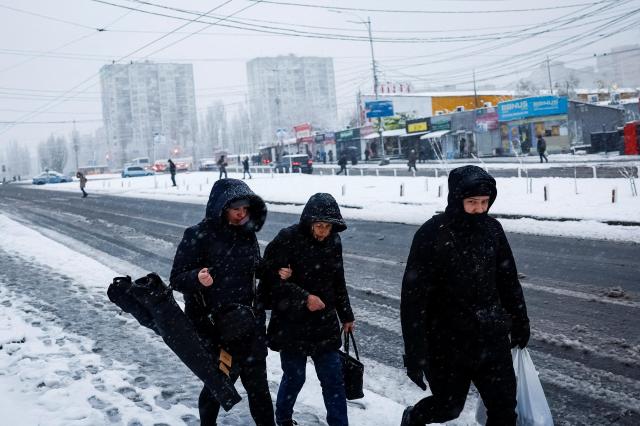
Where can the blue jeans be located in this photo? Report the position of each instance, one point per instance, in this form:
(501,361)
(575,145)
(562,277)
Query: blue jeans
(329,371)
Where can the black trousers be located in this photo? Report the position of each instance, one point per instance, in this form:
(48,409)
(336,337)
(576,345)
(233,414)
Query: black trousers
(489,366)
(173,179)
(254,379)
(342,169)
(542,155)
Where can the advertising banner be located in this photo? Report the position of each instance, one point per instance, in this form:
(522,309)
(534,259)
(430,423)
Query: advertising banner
(440,123)
(532,107)
(486,120)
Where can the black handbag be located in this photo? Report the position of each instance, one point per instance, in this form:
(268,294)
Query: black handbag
(352,369)
(235,323)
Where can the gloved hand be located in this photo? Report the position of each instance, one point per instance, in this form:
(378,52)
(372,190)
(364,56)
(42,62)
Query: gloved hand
(415,371)
(417,376)
(520,333)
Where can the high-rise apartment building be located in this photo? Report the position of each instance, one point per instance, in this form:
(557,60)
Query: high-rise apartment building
(620,66)
(148,108)
(288,90)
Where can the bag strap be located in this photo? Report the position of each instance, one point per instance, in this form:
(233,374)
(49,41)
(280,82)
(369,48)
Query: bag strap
(348,336)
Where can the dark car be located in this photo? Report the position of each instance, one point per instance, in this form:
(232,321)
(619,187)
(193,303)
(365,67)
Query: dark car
(294,163)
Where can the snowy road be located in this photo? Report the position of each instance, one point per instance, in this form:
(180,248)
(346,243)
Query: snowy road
(585,342)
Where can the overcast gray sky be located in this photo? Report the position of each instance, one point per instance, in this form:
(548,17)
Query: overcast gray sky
(51,51)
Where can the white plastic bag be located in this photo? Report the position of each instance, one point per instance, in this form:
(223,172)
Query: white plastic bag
(532,407)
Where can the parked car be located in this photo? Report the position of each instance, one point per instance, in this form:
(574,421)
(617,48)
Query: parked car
(51,177)
(132,171)
(294,163)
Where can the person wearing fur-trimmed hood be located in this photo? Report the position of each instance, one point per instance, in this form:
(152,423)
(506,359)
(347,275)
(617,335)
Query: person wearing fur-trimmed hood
(215,267)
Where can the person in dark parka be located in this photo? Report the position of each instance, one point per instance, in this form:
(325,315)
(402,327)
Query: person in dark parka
(172,171)
(304,268)
(214,266)
(460,300)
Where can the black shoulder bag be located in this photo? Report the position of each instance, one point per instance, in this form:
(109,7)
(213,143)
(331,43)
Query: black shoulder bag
(352,369)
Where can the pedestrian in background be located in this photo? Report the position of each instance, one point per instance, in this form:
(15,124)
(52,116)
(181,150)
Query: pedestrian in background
(463,144)
(222,166)
(215,267)
(542,148)
(342,162)
(304,270)
(172,171)
(330,156)
(245,168)
(83,183)
(412,160)
(460,300)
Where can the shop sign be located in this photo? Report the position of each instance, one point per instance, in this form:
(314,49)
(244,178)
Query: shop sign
(347,134)
(440,123)
(417,125)
(532,107)
(319,138)
(377,109)
(486,120)
(302,130)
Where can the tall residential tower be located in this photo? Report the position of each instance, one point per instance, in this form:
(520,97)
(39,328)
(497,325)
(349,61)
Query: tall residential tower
(289,90)
(148,108)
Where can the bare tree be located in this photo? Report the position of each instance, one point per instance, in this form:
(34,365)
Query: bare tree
(53,153)
(526,88)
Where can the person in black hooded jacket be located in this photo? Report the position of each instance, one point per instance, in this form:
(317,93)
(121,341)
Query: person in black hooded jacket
(214,267)
(304,270)
(460,300)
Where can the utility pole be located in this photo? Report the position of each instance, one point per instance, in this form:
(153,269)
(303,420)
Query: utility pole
(549,73)
(373,60)
(475,92)
(375,85)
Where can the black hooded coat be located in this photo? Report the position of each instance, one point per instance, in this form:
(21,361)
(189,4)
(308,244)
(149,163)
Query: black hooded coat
(317,269)
(230,252)
(460,288)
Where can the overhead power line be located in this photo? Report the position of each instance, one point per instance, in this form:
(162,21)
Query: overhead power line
(431,12)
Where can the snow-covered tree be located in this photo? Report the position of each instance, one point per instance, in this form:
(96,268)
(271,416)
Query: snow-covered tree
(53,153)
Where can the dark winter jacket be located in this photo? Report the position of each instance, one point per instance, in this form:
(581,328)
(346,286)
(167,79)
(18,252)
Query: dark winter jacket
(172,167)
(317,269)
(542,145)
(342,161)
(230,252)
(245,164)
(460,284)
(412,159)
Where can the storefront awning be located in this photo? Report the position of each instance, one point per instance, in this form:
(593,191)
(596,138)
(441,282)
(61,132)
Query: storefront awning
(435,135)
(408,135)
(373,135)
(394,132)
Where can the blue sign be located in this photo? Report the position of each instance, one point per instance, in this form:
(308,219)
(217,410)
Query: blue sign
(376,109)
(532,107)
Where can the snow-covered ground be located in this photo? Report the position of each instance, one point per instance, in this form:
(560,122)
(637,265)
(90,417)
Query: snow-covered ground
(49,376)
(587,203)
